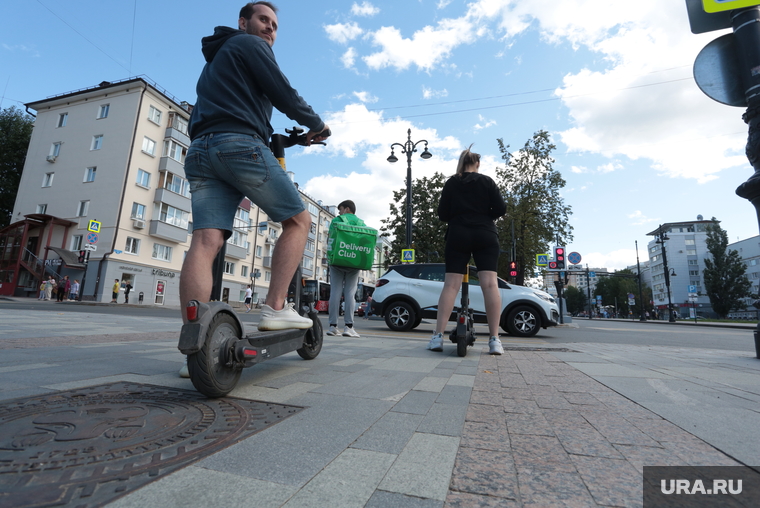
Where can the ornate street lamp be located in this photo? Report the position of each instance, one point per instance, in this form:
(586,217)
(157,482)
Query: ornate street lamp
(661,238)
(409,148)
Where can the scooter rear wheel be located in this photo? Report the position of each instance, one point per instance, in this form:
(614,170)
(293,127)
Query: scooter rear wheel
(312,341)
(462,337)
(208,370)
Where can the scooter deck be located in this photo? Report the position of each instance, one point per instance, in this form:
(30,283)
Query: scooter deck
(260,346)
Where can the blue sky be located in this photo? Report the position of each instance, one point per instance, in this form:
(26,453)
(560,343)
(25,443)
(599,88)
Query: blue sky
(637,142)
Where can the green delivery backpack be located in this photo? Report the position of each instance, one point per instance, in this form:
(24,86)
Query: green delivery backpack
(350,243)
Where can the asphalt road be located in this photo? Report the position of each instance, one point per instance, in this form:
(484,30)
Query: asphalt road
(21,318)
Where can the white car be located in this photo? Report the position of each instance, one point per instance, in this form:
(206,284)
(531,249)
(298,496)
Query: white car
(409,292)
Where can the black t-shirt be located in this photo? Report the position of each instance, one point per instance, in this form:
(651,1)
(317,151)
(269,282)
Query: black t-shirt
(471,200)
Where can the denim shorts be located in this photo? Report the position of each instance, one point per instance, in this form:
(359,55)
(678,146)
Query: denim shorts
(223,168)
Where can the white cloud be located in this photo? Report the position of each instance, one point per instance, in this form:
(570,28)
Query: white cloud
(343,32)
(365,97)
(578,169)
(483,123)
(639,219)
(31,51)
(442,4)
(615,260)
(365,9)
(429,93)
(349,58)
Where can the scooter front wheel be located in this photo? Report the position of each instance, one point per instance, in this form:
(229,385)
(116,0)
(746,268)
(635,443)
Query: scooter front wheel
(312,341)
(462,337)
(208,370)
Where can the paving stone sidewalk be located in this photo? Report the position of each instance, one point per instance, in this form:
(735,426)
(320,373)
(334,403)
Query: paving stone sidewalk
(538,432)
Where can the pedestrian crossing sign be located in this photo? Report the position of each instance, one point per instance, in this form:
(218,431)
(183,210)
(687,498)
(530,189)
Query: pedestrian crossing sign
(542,259)
(93,226)
(407,255)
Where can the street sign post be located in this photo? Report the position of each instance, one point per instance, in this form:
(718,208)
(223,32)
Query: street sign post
(407,255)
(574,258)
(712,6)
(93,226)
(542,259)
(90,247)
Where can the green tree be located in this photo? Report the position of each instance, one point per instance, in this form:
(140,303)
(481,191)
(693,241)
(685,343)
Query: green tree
(576,300)
(536,212)
(15,133)
(615,288)
(725,277)
(428,231)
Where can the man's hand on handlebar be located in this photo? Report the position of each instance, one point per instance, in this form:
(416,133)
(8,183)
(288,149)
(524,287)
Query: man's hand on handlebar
(317,137)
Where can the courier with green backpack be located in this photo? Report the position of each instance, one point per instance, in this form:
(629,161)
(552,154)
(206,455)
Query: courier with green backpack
(350,243)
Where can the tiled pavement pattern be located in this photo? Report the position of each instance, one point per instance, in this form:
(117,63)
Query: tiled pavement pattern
(538,432)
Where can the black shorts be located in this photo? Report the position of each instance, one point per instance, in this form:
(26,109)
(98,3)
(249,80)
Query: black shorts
(247,300)
(463,242)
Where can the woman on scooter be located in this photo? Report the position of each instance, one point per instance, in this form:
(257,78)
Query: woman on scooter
(470,202)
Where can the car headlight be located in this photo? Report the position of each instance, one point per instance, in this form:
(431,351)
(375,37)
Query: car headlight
(544,296)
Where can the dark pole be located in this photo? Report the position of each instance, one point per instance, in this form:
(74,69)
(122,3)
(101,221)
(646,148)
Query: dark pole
(408,149)
(661,240)
(641,294)
(588,292)
(747,35)
(84,276)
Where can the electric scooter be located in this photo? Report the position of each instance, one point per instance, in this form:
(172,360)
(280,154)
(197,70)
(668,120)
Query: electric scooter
(213,340)
(463,335)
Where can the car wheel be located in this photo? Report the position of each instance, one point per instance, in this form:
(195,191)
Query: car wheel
(523,321)
(400,316)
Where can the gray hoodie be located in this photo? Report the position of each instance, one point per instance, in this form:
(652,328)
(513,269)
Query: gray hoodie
(238,86)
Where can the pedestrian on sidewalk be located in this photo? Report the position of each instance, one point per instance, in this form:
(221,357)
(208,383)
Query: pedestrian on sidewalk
(115,291)
(50,285)
(42,290)
(74,295)
(248,297)
(63,288)
(127,289)
(470,203)
(344,280)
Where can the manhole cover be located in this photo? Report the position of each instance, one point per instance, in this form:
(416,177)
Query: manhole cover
(89,446)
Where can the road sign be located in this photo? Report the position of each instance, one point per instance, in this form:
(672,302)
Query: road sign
(407,255)
(727,5)
(542,259)
(90,247)
(574,258)
(692,290)
(717,74)
(592,274)
(92,238)
(93,226)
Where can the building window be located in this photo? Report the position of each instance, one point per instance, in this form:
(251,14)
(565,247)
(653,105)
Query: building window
(312,208)
(89,174)
(143,178)
(149,146)
(267,276)
(162,252)
(103,111)
(97,142)
(229,268)
(174,216)
(176,121)
(313,228)
(138,211)
(132,246)
(691,252)
(694,273)
(62,119)
(82,208)
(47,181)
(238,238)
(310,245)
(244,271)
(689,242)
(174,183)
(259,251)
(308,263)
(41,209)
(55,149)
(693,262)
(154,115)
(174,150)
(76,242)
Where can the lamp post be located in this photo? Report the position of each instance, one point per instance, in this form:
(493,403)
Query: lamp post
(409,148)
(661,239)
(641,293)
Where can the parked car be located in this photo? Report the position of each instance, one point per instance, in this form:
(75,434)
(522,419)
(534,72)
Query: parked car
(361,309)
(407,293)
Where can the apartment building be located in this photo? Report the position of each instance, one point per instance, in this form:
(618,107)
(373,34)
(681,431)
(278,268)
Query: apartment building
(749,251)
(113,155)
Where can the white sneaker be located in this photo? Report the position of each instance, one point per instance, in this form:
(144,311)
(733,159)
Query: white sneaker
(350,332)
(436,343)
(494,346)
(332,331)
(284,319)
(183,372)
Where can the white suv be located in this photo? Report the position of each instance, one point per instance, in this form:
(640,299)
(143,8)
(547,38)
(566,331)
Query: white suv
(409,292)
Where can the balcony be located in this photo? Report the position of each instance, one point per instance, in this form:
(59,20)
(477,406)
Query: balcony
(171,165)
(168,231)
(267,262)
(173,199)
(177,136)
(235,251)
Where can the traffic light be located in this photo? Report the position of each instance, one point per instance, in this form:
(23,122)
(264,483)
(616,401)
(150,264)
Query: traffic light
(559,258)
(82,254)
(513,268)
